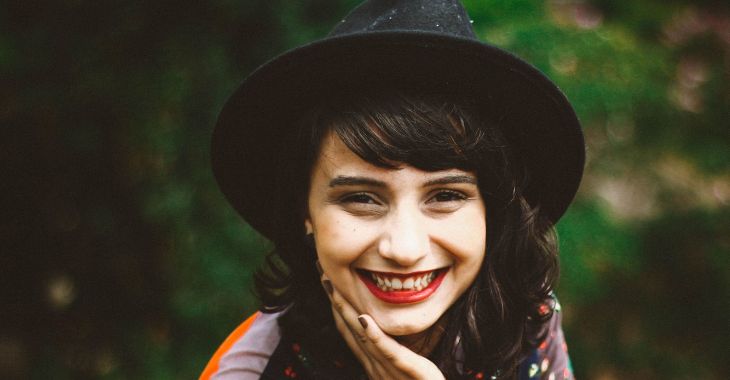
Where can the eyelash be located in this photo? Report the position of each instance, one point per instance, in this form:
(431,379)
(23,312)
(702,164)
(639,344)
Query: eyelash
(453,196)
(358,198)
(364,198)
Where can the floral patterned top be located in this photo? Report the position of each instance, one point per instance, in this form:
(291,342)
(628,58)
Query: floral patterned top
(257,350)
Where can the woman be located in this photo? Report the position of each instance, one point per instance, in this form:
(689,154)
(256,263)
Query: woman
(409,177)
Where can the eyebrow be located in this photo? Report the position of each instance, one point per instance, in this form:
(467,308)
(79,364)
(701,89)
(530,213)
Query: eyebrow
(449,179)
(365,181)
(355,181)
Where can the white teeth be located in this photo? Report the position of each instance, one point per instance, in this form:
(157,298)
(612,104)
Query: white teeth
(411,283)
(408,283)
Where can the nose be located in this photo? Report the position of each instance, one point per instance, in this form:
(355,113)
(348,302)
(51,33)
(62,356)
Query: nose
(404,239)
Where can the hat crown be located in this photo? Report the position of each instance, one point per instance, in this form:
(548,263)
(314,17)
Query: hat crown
(435,16)
(424,46)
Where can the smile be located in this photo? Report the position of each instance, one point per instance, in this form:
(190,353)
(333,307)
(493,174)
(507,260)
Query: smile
(402,288)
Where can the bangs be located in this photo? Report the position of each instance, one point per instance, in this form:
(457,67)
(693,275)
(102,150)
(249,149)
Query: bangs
(394,129)
(391,130)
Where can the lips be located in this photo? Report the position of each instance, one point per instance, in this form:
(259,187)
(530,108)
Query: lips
(402,288)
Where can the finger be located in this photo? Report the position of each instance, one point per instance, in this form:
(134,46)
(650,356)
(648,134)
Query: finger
(374,344)
(381,355)
(353,342)
(348,313)
(381,363)
(341,310)
(383,346)
(398,360)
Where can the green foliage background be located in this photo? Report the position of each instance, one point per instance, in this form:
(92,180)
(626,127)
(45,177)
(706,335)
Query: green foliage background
(120,258)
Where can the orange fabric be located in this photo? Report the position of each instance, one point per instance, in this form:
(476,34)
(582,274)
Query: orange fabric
(212,366)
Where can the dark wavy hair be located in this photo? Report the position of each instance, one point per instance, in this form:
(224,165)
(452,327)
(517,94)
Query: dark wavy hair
(496,321)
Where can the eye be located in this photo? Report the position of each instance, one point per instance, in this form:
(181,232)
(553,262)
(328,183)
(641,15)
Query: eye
(446,201)
(448,196)
(358,198)
(362,204)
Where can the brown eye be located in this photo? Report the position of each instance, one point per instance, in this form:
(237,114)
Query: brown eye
(446,201)
(448,196)
(359,198)
(362,204)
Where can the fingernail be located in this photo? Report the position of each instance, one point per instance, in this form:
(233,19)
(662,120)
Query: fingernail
(327,286)
(363,322)
(319,267)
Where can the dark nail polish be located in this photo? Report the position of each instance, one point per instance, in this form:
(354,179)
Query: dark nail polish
(327,286)
(363,322)
(319,267)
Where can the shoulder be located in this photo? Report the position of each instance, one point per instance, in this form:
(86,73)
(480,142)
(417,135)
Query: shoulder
(550,360)
(245,353)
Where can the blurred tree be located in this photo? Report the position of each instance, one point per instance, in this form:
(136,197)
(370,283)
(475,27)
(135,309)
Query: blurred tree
(121,259)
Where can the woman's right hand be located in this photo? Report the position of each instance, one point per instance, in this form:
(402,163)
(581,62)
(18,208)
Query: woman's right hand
(381,355)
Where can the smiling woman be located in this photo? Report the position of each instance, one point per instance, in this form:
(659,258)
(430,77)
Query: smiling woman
(411,206)
(400,236)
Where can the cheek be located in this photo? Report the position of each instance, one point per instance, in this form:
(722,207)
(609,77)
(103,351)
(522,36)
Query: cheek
(340,240)
(466,237)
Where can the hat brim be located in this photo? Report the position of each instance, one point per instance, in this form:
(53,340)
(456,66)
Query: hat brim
(248,143)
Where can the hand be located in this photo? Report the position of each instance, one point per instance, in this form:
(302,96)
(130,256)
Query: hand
(380,355)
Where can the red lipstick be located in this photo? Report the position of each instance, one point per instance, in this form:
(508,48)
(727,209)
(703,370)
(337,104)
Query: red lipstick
(402,296)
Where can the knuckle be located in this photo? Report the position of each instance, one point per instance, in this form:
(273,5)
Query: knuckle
(377,339)
(339,305)
(390,356)
(361,337)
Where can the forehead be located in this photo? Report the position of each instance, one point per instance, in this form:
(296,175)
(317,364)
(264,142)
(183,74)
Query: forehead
(335,156)
(333,147)
(336,159)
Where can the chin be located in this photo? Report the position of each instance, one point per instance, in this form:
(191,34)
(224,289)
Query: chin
(402,325)
(403,330)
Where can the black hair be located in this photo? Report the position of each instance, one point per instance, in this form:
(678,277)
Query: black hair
(496,321)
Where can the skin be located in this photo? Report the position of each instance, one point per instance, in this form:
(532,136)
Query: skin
(402,220)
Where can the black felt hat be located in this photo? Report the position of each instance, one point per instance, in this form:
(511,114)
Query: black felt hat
(421,45)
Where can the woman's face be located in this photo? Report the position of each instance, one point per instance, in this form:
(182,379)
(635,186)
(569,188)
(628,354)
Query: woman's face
(399,244)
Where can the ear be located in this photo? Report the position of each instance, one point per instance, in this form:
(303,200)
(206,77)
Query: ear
(308,226)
